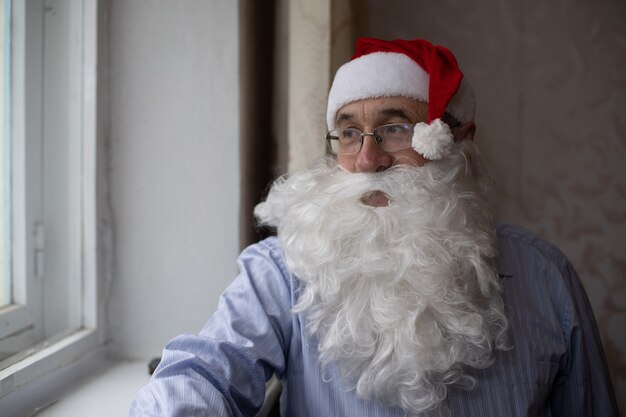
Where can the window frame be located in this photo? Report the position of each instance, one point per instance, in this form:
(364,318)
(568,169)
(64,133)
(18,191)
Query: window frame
(25,54)
(79,351)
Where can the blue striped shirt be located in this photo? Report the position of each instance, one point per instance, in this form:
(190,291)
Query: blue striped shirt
(556,368)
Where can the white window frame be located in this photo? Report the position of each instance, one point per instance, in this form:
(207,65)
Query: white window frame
(83,349)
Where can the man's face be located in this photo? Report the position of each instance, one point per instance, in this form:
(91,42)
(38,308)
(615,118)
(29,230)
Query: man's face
(368,114)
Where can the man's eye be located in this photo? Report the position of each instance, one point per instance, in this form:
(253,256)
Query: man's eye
(350,134)
(396,130)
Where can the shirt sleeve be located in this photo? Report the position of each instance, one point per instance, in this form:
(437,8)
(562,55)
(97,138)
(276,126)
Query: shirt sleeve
(222,371)
(583,386)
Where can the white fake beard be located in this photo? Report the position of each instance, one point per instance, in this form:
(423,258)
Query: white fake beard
(401,297)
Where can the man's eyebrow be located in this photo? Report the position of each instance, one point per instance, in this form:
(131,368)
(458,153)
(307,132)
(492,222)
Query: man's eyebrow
(386,112)
(394,112)
(342,117)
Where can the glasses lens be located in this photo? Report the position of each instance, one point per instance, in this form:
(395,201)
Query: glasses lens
(344,141)
(394,137)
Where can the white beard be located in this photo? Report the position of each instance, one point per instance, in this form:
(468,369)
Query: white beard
(402,297)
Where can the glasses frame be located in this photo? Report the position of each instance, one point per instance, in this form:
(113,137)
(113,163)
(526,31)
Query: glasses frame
(377,138)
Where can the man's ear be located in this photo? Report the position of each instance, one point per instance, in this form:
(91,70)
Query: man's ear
(465,131)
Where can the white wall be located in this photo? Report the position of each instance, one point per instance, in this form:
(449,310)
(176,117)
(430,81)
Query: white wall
(174,166)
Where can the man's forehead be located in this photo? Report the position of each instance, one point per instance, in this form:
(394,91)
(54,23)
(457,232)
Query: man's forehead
(384,107)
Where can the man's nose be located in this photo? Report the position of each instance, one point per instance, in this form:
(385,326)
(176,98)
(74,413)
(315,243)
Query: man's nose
(371,158)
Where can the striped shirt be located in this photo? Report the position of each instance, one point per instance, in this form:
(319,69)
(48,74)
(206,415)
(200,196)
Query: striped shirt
(556,367)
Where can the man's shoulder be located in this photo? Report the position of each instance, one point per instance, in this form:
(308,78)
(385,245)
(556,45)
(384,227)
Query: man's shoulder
(265,254)
(515,241)
(268,245)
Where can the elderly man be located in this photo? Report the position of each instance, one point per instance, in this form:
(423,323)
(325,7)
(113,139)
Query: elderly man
(389,290)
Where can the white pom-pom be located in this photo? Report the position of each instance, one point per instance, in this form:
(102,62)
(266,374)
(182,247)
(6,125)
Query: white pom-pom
(433,141)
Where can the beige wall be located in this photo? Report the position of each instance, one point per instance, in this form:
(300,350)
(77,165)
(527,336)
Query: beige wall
(551,88)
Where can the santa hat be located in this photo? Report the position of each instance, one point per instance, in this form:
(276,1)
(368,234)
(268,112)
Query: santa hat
(415,69)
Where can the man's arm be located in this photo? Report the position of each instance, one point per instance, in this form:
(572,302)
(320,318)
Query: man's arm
(223,370)
(583,387)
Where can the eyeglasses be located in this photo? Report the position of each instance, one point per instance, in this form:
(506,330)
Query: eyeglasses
(389,138)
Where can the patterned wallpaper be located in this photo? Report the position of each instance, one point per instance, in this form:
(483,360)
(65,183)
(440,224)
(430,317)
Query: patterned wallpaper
(550,78)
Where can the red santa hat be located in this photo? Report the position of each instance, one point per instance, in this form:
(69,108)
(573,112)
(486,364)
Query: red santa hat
(409,68)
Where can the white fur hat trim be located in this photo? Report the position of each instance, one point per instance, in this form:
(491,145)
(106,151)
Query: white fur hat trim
(387,74)
(434,140)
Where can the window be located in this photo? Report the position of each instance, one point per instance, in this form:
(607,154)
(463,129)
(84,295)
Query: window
(48,262)
(5,152)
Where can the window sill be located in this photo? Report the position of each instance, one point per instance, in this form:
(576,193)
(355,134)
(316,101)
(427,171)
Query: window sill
(39,380)
(92,396)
